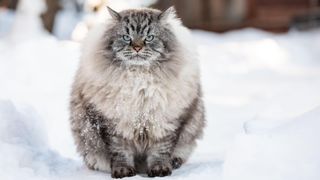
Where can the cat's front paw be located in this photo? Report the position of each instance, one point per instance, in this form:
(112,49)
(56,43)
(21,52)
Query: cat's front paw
(122,171)
(176,162)
(160,170)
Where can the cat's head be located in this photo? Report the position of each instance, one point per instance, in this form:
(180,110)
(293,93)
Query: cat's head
(141,37)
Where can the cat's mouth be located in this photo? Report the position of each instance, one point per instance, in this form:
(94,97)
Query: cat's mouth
(137,57)
(138,60)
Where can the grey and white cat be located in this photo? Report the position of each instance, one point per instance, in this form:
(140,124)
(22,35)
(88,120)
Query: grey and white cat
(136,102)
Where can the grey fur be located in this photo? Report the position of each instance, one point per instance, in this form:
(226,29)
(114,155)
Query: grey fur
(137,114)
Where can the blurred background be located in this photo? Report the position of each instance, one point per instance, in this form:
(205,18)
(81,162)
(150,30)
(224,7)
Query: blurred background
(69,19)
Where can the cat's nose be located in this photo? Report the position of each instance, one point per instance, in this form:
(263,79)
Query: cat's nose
(137,48)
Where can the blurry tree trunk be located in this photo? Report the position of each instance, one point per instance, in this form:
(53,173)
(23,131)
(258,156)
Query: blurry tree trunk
(216,9)
(11,4)
(252,10)
(48,17)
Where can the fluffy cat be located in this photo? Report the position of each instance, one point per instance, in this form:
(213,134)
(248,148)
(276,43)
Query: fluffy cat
(136,102)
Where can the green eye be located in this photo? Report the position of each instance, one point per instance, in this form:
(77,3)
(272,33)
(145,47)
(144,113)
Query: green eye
(149,38)
(126,38)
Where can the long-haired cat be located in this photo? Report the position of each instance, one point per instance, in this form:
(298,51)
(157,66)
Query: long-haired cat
(136,102)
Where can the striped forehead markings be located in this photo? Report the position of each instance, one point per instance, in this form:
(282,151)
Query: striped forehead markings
(138,22)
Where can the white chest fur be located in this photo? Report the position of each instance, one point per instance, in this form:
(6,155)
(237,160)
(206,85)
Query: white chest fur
(140,102)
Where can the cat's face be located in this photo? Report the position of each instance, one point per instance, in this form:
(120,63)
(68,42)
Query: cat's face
(140,37)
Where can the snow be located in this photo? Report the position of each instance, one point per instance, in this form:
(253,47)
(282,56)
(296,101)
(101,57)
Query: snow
(289,151)
(261,93)
(6,20)
(27,22)
(246,90)
(126,4)
(23,145)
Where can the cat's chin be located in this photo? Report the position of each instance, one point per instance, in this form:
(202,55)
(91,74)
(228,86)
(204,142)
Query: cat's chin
(137,62)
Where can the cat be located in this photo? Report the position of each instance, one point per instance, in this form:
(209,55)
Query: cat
(136,103)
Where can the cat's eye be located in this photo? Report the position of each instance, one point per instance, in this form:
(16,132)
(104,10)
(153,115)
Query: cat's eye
(149,38)
(126,38)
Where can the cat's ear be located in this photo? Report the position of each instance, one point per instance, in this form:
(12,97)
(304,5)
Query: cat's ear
(114,14)
(170,12)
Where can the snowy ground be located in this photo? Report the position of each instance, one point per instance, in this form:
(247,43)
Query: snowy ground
(262,100)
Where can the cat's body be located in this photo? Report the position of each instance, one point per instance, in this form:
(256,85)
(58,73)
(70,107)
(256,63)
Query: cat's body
(137,114)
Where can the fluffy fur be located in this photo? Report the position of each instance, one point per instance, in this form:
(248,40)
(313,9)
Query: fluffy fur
(134,114)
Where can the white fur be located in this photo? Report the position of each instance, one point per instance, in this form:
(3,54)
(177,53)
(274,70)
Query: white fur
(98,162)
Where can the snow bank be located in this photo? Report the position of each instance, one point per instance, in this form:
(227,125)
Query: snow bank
(290,151)
(25,153)
(251,75)
(39,73)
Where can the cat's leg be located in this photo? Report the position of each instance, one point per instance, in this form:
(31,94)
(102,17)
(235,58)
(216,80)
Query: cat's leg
(88,132)
(122,158)
(159,157)
(192,124)
(100,150)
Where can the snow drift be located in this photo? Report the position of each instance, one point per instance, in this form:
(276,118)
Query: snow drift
(25,153)
(289,151)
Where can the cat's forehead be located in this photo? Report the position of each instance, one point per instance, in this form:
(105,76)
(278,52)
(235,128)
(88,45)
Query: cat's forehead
(140,16)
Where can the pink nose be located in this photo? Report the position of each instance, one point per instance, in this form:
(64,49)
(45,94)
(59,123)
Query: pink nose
(137,48)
